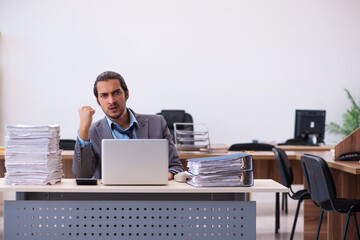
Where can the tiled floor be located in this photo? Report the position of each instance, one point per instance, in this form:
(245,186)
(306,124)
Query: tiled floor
(265,218)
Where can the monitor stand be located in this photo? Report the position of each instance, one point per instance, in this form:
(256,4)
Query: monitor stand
(312,139)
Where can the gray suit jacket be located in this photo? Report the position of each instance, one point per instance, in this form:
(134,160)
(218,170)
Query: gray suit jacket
(87,160)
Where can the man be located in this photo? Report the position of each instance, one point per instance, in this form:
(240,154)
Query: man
(120,122)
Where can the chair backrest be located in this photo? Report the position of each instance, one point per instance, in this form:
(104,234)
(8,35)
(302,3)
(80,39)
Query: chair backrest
(318,178)
(284,166)
(251,147)
(67,144)
(176,116)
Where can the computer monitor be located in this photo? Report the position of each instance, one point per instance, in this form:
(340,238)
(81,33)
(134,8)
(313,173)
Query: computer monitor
(310,126)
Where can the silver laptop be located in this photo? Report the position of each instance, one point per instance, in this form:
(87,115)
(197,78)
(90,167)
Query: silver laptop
(134,161)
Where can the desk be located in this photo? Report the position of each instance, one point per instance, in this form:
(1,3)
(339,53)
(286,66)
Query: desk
(346,177)
(133,212)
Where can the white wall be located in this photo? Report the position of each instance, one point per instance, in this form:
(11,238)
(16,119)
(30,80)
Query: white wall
(241,66)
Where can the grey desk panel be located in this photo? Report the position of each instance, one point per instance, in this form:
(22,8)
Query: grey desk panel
(138,220)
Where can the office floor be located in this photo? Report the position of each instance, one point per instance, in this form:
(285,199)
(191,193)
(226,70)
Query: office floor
(265,218)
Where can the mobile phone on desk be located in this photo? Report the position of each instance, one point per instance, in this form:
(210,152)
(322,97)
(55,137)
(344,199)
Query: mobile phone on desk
(86,181)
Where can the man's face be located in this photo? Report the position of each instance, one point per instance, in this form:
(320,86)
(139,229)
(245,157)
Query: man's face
(112,98)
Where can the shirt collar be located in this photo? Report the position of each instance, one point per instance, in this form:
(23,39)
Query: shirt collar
(132,121)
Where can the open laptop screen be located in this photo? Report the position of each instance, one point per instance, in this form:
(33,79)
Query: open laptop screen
(135,161)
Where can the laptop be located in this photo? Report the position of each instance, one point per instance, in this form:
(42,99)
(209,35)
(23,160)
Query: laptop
(134,161)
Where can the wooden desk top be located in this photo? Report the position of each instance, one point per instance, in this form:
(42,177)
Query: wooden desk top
(352,167)
(290,150)
(261,155)
(69,185)
(305,148)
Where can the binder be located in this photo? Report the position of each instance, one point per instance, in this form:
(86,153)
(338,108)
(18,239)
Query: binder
(228,170)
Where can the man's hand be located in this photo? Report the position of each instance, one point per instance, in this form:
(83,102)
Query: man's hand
(170,176)
(86,115)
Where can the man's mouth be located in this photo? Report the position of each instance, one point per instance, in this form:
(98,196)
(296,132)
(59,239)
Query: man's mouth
(113,108)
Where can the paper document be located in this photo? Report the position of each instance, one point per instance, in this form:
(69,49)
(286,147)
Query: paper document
(32,155)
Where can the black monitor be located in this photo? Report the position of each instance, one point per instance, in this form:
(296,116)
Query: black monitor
(310,126)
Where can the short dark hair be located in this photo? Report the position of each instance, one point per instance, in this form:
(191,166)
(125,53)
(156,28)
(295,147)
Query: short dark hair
(107,76)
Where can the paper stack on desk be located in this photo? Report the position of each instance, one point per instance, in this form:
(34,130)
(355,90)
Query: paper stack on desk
(32,155)
(227,171)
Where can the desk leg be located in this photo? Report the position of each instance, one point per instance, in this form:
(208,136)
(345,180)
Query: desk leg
(277,212)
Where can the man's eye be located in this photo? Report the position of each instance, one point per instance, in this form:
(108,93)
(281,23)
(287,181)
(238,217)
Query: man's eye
(117,92)
(102,95)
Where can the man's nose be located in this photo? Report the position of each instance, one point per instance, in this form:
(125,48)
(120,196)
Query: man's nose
(110,99)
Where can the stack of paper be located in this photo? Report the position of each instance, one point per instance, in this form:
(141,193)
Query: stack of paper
(228,171)
(32,155)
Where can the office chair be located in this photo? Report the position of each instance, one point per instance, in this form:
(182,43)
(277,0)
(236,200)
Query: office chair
(67,144)
(176,116)
(320,184)
(251,147)
(287,179)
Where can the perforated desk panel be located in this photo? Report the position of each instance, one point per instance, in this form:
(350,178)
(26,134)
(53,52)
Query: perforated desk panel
(143,220)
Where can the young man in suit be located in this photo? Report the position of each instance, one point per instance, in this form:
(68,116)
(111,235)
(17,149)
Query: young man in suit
(120,122)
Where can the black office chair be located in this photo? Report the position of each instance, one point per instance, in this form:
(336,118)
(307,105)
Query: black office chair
(67,144)
(177,116)
(251,147)
(287,180)
(320,184)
